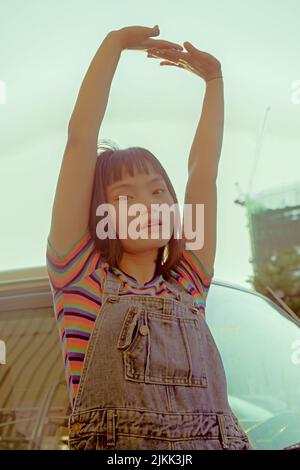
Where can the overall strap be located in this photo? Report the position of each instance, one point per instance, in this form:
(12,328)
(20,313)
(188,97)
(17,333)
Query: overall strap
(181,294)
(112,285)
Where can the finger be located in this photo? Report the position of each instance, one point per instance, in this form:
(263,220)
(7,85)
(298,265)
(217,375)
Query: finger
(193,50)
(169,60)
(156,55)
(170,46)
(168,56)
(168,53)
(153,31)
(159,53)
(189,46)
(165,62)
(161,44)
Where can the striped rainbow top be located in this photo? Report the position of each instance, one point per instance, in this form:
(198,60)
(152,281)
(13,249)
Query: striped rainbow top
(77,295)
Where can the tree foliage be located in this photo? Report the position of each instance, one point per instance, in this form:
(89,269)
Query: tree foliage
(281,272)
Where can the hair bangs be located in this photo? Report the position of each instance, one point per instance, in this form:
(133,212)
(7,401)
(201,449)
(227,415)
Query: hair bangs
(130,161)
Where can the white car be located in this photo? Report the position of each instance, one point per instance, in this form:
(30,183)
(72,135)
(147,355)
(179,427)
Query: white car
(260,347)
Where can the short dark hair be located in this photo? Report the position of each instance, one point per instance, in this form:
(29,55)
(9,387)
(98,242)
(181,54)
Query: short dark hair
(110,162)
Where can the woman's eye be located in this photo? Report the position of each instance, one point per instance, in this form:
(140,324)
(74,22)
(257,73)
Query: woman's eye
(124,197)
(121,197)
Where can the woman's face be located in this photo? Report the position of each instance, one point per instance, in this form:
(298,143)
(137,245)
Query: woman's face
(147,192)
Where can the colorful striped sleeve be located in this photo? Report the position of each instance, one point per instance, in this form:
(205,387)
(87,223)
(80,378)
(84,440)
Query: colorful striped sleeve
(79,261)
(192,275)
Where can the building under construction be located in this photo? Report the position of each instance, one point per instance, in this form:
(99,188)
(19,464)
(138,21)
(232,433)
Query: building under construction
(273,221)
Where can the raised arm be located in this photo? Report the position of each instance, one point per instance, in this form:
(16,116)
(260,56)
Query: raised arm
(70,213)
(206,147)
(203,163)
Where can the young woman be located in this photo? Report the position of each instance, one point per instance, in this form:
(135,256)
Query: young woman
(142,367)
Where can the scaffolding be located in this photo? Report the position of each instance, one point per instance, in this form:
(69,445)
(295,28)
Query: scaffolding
(273,221)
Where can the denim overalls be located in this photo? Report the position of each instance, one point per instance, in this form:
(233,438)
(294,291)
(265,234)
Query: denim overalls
(152,378)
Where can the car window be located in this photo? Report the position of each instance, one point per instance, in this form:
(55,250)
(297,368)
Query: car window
(260,349)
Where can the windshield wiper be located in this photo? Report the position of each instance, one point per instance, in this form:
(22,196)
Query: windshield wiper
(282,304)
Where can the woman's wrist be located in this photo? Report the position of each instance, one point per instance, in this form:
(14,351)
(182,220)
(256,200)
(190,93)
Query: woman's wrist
(116,37)
(220,77)
(216,76)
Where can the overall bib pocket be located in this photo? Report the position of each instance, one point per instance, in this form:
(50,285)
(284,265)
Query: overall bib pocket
(160,348)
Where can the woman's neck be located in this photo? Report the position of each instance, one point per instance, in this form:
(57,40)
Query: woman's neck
(141,266)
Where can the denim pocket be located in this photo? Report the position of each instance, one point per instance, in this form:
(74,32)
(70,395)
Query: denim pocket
(129,330)
(162,349)
(176,350)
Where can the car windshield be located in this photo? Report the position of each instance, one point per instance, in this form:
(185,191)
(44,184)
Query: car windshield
(260,349)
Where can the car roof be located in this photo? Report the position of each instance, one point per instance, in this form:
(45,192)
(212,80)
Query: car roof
(235,286)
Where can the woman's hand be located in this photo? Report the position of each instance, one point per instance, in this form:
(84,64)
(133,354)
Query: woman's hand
(199,62)
(140,38)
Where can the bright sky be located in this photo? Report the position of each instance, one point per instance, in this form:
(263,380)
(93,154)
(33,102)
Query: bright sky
(46,49)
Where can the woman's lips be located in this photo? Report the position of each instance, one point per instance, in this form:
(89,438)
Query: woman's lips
(154,224)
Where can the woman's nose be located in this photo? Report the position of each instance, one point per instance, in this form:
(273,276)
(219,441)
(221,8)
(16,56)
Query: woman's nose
(148,210)
(146,205)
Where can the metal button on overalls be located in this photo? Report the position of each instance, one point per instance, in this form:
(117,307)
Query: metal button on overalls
(144,330)
(113,298)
